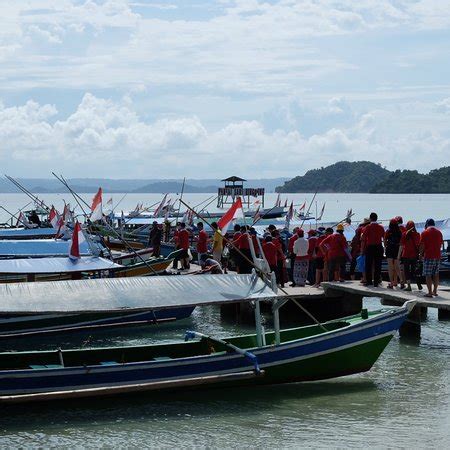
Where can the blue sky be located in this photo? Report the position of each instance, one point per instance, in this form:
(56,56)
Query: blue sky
(149,89)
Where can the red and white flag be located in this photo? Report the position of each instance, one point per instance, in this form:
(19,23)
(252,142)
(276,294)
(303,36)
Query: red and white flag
(256,216)
(96,207)
(286,203)
(62,221)
(289,216)
(235,212)
(321,212)
(160,207)
(22,220)
(77,239)
(53,218)
(278,201)
(302,208)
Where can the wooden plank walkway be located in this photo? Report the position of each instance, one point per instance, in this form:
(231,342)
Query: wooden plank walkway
(394,296)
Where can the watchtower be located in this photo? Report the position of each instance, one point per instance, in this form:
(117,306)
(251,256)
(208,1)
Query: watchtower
(233,188)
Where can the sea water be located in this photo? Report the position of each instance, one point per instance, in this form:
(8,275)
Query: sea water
(404,401)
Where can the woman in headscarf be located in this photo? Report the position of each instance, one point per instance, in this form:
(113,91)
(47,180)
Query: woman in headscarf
(392,239)
(409,253)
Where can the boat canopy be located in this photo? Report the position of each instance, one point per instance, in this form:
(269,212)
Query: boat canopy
(21,233)
(39,248)
(125,294)
(55,265)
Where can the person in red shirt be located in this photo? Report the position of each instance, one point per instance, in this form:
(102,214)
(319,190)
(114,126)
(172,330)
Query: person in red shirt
(312,245)
(243,244)
(291,253)
(202,241)
(372,248)
(234,246)
(355,246)
(319,258)
(431,241)
(409,254)
(270,253)
(281,261)
(183,243)
(176,242)
(336,247)
(324,251)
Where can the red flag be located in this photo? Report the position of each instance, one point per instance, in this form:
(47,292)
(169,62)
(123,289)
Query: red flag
(96,207)
(302,207)
(77,239)
(234,212)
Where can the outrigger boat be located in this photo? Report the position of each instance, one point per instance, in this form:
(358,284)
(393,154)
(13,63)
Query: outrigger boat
(17,233)
(341,347)
(21,270)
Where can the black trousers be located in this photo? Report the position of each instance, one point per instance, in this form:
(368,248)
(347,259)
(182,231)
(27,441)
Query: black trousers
(374,257)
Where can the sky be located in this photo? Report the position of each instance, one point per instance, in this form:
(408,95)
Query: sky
(212,88)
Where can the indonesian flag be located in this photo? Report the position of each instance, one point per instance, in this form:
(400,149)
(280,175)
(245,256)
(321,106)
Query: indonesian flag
(77,239)
(286,203)
(96,207)
(256,216)
(289,216)
(160,207)
(109,205)
(235,212)
(53,218)
(302,207)
(321,212)
(62,220)
(278,201)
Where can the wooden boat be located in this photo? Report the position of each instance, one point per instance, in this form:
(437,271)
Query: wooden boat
(337,348)
(53,269)
(18,233)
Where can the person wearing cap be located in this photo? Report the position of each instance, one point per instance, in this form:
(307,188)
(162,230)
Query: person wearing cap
(372,248)
(431,241)
(337,250)
(409,254)
(392,238)
(355,246)
(301,259)
(154,238)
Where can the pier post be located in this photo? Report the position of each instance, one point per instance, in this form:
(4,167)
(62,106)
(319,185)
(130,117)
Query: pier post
(423,313)
(411,327)
(443,314)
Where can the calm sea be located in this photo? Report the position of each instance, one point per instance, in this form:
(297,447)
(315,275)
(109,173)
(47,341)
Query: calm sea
(404,401)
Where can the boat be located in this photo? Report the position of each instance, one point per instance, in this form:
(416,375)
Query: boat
(17,233)
(315,352)
(39,248)
(19,270)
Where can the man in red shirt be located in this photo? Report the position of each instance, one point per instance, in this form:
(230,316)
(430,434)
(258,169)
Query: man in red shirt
(183,244)
(243,244)
(202,241)
(431,241)
(270,253)
(336,247)
(372,248)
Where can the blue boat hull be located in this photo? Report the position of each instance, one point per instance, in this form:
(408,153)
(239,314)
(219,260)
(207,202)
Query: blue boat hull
(280,363)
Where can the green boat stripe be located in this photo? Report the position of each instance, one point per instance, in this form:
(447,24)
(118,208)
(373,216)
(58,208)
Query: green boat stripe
(193,360)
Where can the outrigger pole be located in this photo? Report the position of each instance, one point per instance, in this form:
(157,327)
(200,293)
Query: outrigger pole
(76,197)
(28,193)
(263,276)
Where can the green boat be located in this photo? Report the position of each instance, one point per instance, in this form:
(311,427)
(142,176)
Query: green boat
(316,352)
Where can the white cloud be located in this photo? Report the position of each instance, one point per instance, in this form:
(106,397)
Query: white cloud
(443,106)
(107,138)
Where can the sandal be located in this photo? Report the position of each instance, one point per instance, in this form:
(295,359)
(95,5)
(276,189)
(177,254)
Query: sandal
(428,295)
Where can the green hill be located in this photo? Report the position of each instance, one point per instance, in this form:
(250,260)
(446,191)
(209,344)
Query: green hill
(343,176)
(411,181)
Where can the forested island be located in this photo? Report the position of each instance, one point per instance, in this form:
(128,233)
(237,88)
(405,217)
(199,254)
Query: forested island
(366,176)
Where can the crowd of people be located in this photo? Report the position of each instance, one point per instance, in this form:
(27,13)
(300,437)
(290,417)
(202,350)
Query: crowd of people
(317,255)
